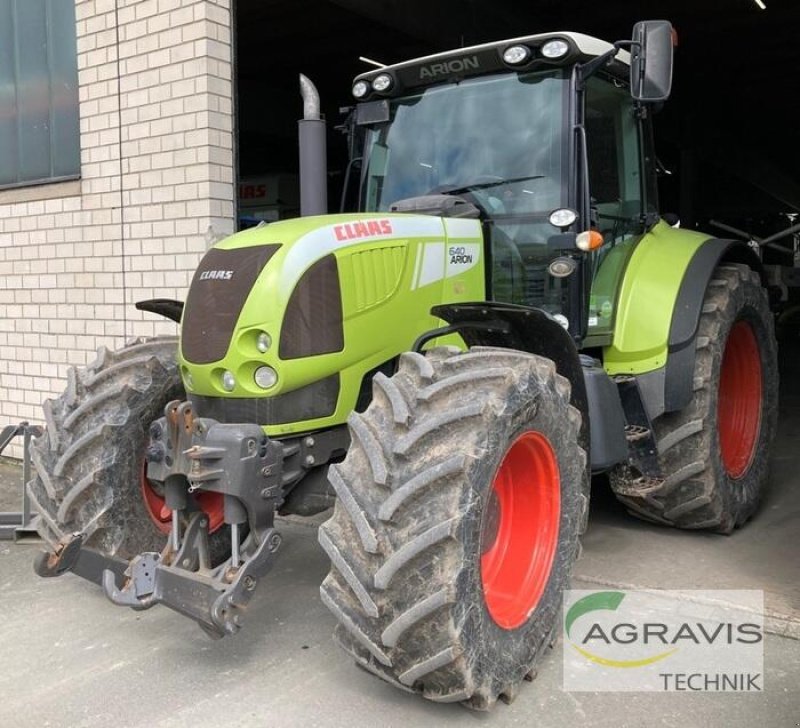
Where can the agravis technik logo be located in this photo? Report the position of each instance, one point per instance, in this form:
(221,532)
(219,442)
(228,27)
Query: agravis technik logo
(666,640)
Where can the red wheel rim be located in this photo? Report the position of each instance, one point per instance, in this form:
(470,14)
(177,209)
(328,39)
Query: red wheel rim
(520,530)
(211,503)
(739,405)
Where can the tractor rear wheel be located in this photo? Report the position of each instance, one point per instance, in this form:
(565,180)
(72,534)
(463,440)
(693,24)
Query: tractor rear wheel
(89,462)
(456,523)
(715,452)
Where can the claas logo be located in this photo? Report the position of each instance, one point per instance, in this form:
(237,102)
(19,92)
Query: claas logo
(362,229)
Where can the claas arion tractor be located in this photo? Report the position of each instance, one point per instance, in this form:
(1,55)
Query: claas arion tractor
(505,314)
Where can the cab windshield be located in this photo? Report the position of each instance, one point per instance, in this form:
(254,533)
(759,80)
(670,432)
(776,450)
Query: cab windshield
(496,140)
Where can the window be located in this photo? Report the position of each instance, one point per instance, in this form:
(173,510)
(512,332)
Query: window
(615,185)
(504,131)
(614,167)
(39,131)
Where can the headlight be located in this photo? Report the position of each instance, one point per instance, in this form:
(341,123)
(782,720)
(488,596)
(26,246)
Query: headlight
(562,319)
(561,267)
(360,89)
(382,83)
(555,49)
(563,217)
(228,381)
(266,377)
(263,342)
(516,55)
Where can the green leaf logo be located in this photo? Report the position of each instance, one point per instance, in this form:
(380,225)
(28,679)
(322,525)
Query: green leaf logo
(608,601)
(599,600)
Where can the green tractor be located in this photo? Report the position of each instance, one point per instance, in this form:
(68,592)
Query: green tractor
(505,315)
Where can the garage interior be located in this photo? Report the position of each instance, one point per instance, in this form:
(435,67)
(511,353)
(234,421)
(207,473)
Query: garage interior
(726,135)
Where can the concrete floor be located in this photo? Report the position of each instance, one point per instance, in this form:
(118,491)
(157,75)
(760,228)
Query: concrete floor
(10,485)
(70,658)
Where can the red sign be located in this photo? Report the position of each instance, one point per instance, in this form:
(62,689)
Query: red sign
(252,192)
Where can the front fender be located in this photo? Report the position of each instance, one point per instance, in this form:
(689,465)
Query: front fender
(524,329)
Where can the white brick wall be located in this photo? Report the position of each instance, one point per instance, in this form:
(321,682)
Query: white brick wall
(156,187)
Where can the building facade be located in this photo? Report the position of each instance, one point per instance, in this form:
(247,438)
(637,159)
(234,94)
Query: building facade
(154,190)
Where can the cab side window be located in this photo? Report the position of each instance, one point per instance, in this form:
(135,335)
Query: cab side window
(614,159)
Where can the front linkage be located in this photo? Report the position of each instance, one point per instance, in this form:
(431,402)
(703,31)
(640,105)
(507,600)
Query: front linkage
(185,454)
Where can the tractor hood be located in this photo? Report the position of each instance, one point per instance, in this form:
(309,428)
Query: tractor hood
(321,302)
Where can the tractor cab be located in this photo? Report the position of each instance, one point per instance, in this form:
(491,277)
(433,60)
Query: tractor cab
(544,138)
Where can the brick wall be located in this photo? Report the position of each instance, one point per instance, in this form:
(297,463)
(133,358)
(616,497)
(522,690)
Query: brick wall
(156,189)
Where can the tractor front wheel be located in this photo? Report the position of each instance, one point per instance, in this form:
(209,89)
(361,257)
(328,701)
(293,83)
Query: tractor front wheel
(457,523)
(89,462)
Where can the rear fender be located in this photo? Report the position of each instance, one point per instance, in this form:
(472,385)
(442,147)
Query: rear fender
(658,311)
(686,314)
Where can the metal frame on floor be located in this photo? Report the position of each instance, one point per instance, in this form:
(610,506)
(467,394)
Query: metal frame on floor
(20,525)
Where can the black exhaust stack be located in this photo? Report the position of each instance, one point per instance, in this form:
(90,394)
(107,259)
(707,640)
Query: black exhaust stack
(313,153)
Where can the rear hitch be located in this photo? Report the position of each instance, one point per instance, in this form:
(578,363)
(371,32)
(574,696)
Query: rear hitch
(70,554)
(62,559)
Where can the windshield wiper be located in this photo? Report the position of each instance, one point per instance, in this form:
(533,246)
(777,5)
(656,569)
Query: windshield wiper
(487,185)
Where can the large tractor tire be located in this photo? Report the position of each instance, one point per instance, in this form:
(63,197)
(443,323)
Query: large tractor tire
(457,523)
(715,452)
(89,462)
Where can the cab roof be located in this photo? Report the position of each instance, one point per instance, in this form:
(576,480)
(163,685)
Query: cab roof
(487,58)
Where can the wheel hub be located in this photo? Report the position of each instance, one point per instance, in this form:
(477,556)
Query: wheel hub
(739,403)
(212,504)
(520,530)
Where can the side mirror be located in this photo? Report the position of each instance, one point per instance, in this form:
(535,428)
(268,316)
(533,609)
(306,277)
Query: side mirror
(651,61)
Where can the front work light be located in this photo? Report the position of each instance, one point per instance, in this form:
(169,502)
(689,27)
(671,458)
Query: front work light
(563,218)
(360,89)
(562,320)
(555,49)
(382,83)
(516,55)
(188,380)
(562,267)
(263,342)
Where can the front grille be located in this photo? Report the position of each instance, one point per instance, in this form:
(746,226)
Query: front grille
(307,403)
(220,286)
(312,324)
